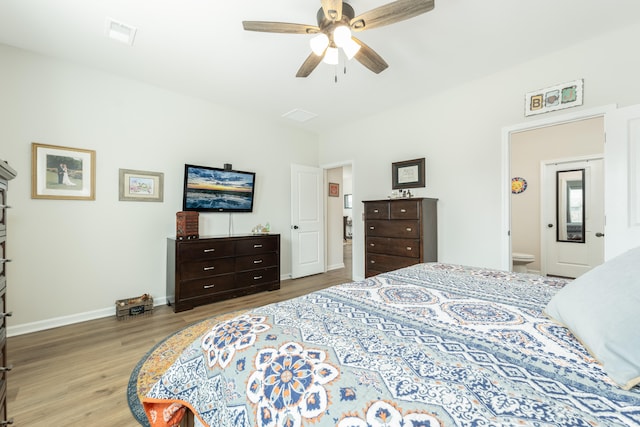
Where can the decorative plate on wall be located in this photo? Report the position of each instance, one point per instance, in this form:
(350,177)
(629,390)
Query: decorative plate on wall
(518,185)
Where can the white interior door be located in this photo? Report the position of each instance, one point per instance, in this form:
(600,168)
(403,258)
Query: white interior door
(307,221)
(622,180)
(573,212)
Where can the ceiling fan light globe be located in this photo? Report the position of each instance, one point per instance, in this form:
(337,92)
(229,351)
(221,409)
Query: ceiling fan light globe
(331,56)
(319,43)
(350,49)
(341,35)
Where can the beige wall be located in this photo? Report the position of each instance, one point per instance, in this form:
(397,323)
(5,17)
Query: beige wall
(528,150)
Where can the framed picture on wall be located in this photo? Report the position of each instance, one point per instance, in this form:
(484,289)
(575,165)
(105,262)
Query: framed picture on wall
(334,189)
(140,186)
(408,174)
(62,172)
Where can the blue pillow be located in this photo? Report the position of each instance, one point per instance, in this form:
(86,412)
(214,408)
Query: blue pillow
(601,309)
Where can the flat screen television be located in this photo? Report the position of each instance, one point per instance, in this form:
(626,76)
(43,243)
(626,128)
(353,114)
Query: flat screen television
(208,189)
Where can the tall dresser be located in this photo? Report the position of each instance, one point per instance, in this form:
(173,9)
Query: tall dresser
(6,173)
(209,269)
(399,233)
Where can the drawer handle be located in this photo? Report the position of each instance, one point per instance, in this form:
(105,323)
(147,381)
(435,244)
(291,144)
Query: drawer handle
(403,210)
(372,228)
(257,261)
(257,277)
(408,248)
(257,246)
(209,250)
(208,286)
(6,422)
(375,211)
(372,262)
(5,260)
(5,207)
(408,228)
(372,244)
(208,268)
(9,314)
(6,368)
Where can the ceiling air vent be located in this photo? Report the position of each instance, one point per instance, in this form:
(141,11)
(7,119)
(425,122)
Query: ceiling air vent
(119,31)
(299,115)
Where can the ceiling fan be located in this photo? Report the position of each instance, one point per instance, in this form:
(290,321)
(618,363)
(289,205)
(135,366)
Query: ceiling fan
(336,19)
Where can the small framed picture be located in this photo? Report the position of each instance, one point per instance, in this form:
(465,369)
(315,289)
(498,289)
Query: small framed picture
(141,186)
(62,172)
(408,174)
(554,98)
(334,189)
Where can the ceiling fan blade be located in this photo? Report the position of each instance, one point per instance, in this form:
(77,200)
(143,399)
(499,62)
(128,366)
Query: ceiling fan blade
(391,13)
(332,9)
(279,27)
(309,65)
(369,58)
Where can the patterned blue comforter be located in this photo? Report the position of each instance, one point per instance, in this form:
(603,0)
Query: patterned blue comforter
(428,345)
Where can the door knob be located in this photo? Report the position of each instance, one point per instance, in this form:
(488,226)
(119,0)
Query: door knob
(550,225)
(599,234)
(295,227)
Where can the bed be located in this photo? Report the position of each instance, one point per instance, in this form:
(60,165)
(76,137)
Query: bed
(429,345)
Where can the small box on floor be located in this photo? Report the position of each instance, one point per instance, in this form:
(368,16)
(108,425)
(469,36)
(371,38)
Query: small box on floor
(137,306)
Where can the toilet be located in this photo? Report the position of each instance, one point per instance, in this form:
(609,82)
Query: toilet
(520,261)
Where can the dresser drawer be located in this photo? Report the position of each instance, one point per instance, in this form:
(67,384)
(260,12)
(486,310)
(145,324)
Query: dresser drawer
(207,286)
(3,395)
(388,262)
(405,209)
(3,256)
(206,249)
(376,210)
(206,268)
(401,247)
(400,228)
(3,203)
(210,269)
(251,262)
(257,245)
(256,277)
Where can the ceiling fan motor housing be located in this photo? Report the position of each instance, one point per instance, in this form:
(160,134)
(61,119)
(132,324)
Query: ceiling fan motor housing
(327,26)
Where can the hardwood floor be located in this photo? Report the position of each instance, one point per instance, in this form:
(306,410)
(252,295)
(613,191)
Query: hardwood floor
(77,375)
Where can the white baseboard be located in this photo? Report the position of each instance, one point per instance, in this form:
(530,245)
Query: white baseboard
(56,322)
(335,266)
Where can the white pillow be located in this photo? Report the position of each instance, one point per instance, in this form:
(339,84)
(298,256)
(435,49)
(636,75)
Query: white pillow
(602,309)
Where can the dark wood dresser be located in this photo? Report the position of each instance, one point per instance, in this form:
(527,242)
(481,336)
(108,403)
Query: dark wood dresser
(6,174)
(209,269)
(399,233)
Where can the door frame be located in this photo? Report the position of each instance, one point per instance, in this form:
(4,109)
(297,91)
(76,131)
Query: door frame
(505,241)
(543,200)
(325,167)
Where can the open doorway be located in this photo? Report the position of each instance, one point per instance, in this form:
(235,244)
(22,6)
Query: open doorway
(339,218)
(526,148)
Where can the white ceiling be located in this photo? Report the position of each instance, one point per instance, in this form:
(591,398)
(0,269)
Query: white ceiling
(199,48)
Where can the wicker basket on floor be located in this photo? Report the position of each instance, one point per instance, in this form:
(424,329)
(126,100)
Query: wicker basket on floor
(132,307)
